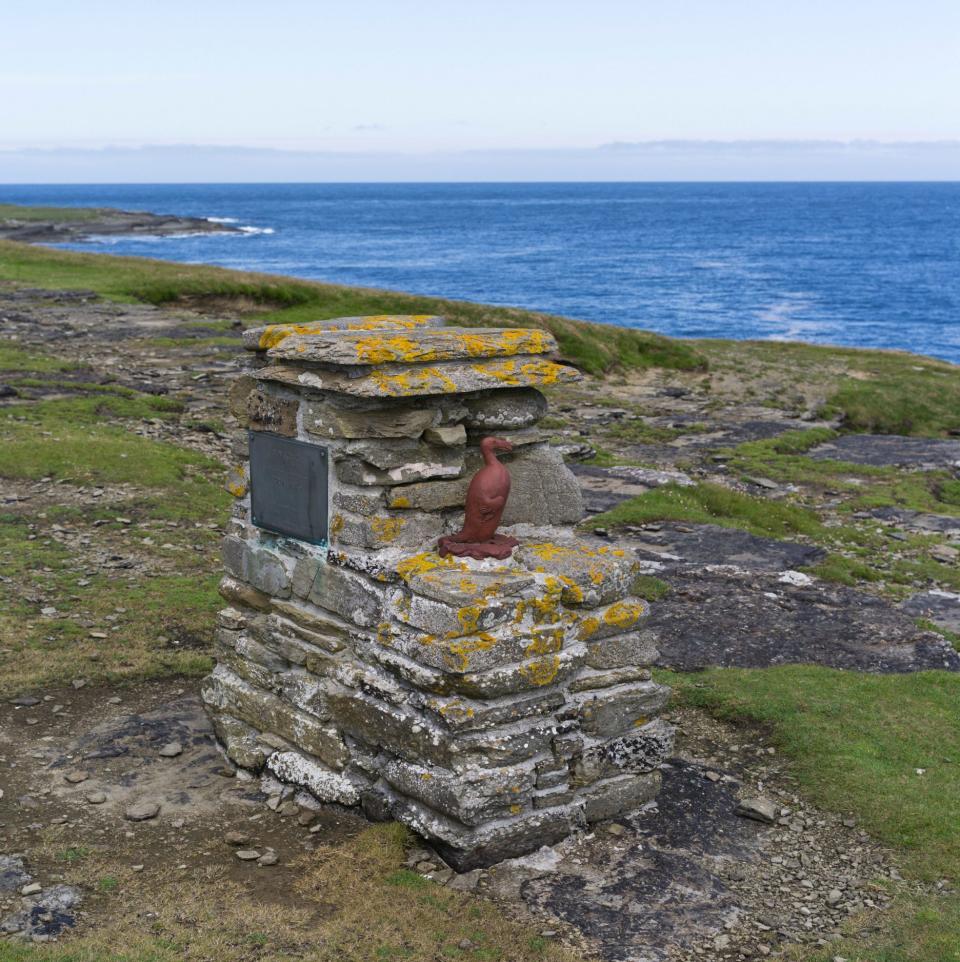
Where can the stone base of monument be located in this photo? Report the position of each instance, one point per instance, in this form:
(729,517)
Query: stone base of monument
(493,705)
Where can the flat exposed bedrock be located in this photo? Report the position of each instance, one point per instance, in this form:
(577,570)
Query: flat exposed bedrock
(738,600)
(890,450)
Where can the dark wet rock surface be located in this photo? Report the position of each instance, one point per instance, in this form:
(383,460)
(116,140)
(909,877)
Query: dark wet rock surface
(890,450)
(940,607)
(713,619)
(920,521)
(681,546)
(605,488)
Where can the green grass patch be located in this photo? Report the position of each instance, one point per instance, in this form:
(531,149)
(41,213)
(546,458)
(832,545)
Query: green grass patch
(268,298)
(857,741)
(885,748)
(713,504)
(15,358)
(901,395)
(30,215)
(649,588)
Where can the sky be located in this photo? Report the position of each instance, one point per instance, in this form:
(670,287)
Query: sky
(444,88)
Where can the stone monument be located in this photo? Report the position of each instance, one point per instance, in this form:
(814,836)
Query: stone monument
(492,704)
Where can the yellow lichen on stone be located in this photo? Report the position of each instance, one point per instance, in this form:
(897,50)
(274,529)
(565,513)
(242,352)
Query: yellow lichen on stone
(385,634)
(425,562)
(589,626)
(386,529)
(237,481)
(273,334)
(336,525)
(399,501)
(624,614)
(546,643)
(458,651)
(541,671)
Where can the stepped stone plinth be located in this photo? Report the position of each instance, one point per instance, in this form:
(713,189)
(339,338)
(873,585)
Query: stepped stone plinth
(491,705)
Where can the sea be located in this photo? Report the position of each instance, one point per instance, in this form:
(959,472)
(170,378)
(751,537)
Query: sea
(860,264)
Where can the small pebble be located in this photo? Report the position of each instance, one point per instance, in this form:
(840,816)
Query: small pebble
(247,854)
(97,798)
(171,750)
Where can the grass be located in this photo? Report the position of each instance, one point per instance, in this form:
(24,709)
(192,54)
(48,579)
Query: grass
(151,618)
(14,358)
(706,503)
(270,298)
(31,215)
(899,395)
(883,747)
(346,906)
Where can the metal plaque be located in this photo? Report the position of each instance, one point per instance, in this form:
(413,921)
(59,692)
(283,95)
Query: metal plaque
(288,486)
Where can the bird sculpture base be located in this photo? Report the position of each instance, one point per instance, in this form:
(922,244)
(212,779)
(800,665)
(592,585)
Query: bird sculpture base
(499,546)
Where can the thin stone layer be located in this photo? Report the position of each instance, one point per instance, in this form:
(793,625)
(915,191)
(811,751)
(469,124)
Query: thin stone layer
(412,347)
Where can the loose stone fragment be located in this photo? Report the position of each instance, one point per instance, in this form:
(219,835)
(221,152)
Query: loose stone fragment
(757,808)
(96,798)
(75,778)
(171,750)
(142,811)
(247,854)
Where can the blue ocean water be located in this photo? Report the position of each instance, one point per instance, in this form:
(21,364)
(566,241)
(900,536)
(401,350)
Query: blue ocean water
(868,265)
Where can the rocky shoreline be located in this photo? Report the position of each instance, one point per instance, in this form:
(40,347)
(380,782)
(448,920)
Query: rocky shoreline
(101,222)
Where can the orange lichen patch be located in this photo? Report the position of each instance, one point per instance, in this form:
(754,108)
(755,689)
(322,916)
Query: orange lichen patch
(237,482)
(518,373)
(336,525)
(624,614)
(546,643)
(386,529)
(446,345)
(541,671)
(468,617)
(273,334)
(457,651)
(641,721)
(429,380)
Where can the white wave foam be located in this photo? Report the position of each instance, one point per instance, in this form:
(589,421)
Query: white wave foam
(222,220)
(257,230)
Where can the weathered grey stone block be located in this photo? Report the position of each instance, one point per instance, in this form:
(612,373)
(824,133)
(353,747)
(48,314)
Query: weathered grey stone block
(617,796)
(307,773)
(223,691)
(240,741)
(511,409)
(472,797)
(640,751)
(620,651)
(348,595)
(619,710)
(339,419)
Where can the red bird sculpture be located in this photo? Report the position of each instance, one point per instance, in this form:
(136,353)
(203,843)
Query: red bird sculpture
(486,499)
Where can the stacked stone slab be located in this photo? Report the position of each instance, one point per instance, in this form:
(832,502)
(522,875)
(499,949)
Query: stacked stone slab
(492,706)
